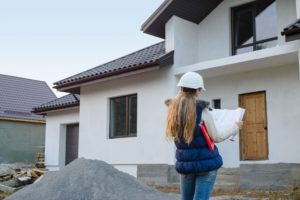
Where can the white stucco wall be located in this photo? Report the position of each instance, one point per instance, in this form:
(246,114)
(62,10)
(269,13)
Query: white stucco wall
(287,14)
(298,8)
(150,146)
(282,88)
(181,36)
(55,144)
(211,39)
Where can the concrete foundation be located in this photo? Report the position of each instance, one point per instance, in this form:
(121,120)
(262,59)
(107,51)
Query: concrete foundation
(269,176)
(280,176)
(158,174)
(228,179)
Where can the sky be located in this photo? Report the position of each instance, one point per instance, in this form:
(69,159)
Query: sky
(52,40)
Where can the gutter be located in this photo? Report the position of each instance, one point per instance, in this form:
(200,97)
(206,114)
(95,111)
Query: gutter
(54,108)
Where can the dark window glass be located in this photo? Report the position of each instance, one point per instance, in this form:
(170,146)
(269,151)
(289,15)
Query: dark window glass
(123,116)
(118,116)
(132,114)
(217,103)
(254,26)
(244,27)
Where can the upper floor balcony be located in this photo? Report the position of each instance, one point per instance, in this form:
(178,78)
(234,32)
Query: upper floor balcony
(226,36)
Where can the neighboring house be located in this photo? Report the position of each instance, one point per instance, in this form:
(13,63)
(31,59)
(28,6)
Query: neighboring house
(238,48)
(22,133)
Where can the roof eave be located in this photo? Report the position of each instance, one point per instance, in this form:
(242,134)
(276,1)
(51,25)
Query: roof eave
(155,24)
(77,83)
(291,35)
(290,32)
(54,108)
(154,17)
(165,60)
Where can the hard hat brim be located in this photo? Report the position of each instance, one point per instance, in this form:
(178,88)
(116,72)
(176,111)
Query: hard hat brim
(179,85)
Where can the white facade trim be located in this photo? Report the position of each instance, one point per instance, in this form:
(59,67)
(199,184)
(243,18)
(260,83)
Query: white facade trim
(271,57)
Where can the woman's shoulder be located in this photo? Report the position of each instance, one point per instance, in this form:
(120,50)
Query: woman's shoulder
(168,101)
(201,103)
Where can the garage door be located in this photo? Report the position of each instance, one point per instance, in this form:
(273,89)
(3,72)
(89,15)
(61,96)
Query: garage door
(72,142)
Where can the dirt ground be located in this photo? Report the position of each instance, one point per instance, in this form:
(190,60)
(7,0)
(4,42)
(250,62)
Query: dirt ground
(2,195)
(291,194)
(238,195)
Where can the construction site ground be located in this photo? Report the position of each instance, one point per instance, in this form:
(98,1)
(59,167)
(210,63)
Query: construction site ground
(2,195)
(234,195)
(288,194)
(241,195)
(90,172)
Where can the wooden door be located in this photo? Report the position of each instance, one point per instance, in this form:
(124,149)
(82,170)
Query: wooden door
(72,135)
(253,136)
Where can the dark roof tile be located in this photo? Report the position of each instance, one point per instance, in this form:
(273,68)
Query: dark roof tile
(67,101)
(19,95)
(134,60)
(292,28)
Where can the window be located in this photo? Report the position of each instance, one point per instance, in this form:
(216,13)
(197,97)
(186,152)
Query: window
(216,103)
(254,26)
(123,116)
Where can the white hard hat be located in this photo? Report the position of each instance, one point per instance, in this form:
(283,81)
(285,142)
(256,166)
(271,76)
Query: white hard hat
(191,80)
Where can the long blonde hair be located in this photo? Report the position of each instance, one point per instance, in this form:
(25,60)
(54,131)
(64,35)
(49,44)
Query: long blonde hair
(181,117)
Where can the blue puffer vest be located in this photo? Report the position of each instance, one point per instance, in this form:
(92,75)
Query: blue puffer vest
(196,156)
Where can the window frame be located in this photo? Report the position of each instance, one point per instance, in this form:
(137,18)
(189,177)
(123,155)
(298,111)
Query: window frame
(253,7)
(127,122)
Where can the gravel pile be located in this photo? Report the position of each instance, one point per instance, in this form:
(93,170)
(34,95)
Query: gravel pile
(89,180)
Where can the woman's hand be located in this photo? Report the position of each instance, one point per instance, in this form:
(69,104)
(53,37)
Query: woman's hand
(239,124)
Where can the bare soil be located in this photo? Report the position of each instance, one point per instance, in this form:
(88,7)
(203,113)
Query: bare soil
(2,195)
(289,194)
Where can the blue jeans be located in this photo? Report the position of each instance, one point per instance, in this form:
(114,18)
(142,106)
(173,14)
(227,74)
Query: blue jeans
(197,186)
